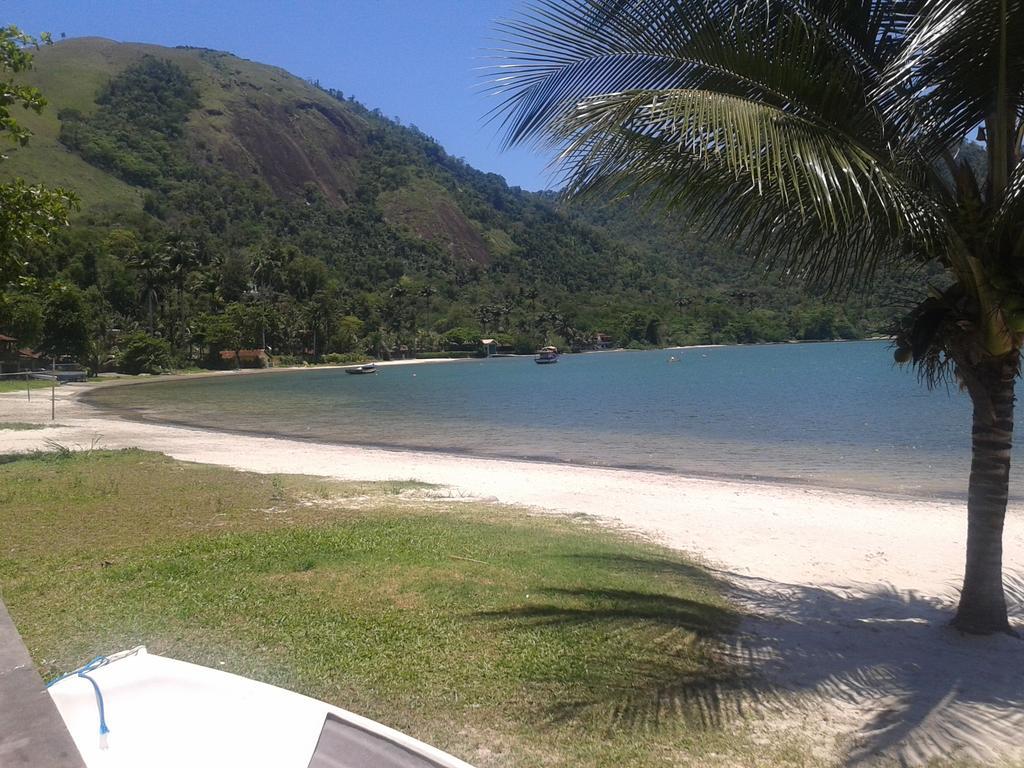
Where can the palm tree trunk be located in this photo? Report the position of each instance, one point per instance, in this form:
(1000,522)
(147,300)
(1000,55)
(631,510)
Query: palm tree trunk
(982,608)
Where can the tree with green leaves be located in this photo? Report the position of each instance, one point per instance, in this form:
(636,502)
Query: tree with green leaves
(139,352)
(223,332)
(829,138)
(28,212)
(21,314)
(65,329)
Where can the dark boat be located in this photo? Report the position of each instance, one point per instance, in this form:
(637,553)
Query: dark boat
(366,368)
(546,356)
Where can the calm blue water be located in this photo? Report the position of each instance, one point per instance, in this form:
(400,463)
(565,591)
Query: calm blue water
(823,414)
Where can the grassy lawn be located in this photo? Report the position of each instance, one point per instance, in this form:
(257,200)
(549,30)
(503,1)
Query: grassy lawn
(505,638)
(21,426)
(18,385)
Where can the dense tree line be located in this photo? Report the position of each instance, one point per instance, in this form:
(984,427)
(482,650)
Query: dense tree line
(215,262)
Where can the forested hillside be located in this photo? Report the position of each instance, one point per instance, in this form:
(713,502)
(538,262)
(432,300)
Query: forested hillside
(226,204)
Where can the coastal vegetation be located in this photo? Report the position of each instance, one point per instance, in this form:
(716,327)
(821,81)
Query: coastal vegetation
(228,205)
(506,638)
(828,138)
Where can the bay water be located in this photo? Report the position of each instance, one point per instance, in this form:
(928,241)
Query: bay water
(839,415)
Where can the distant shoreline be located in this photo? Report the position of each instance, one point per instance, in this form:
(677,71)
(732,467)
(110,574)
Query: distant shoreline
(106,380)
(126,379)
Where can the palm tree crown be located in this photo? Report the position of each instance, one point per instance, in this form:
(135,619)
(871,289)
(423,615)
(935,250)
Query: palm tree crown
(828,138)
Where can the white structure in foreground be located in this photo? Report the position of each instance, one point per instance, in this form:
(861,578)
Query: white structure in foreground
(161,712)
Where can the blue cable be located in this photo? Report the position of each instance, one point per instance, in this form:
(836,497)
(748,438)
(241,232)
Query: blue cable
(83,672)
(104,730)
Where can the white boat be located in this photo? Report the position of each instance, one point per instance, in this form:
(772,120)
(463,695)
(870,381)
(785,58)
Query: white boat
(546,356)
(140,710)
(365,368)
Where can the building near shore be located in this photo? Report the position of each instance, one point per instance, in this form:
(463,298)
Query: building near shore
(15,359)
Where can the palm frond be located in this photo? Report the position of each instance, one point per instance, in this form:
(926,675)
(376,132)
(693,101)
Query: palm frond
(750,196)
(1008,221)
(561,54)
(943,82)
(814,170)
(869,30)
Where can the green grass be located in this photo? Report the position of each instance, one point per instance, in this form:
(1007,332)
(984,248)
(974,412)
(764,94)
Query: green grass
(70,76)
(22,426)
(18,385)
(508,639)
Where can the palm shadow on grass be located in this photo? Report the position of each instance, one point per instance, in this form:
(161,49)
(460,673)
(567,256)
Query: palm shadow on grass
(907,688)
(623,605)
(672,670)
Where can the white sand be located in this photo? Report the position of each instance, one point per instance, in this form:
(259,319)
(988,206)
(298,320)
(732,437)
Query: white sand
(850,592)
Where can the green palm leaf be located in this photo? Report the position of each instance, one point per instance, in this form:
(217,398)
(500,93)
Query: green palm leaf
(945,79)
(1008,222)
(810,168)
(632,92)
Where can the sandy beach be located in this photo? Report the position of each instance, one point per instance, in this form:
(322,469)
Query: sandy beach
(848,594)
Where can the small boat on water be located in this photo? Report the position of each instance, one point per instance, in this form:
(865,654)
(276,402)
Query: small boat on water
(365,368)
(546,356)
(140,710)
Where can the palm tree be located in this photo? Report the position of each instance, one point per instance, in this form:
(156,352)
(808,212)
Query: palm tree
(153,266)
(830,138)
(267,265)
(180,255)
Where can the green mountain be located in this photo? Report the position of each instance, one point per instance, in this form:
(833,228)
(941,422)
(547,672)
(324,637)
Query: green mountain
(227,204)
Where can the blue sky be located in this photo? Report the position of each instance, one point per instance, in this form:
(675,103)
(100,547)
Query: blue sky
(417,60)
